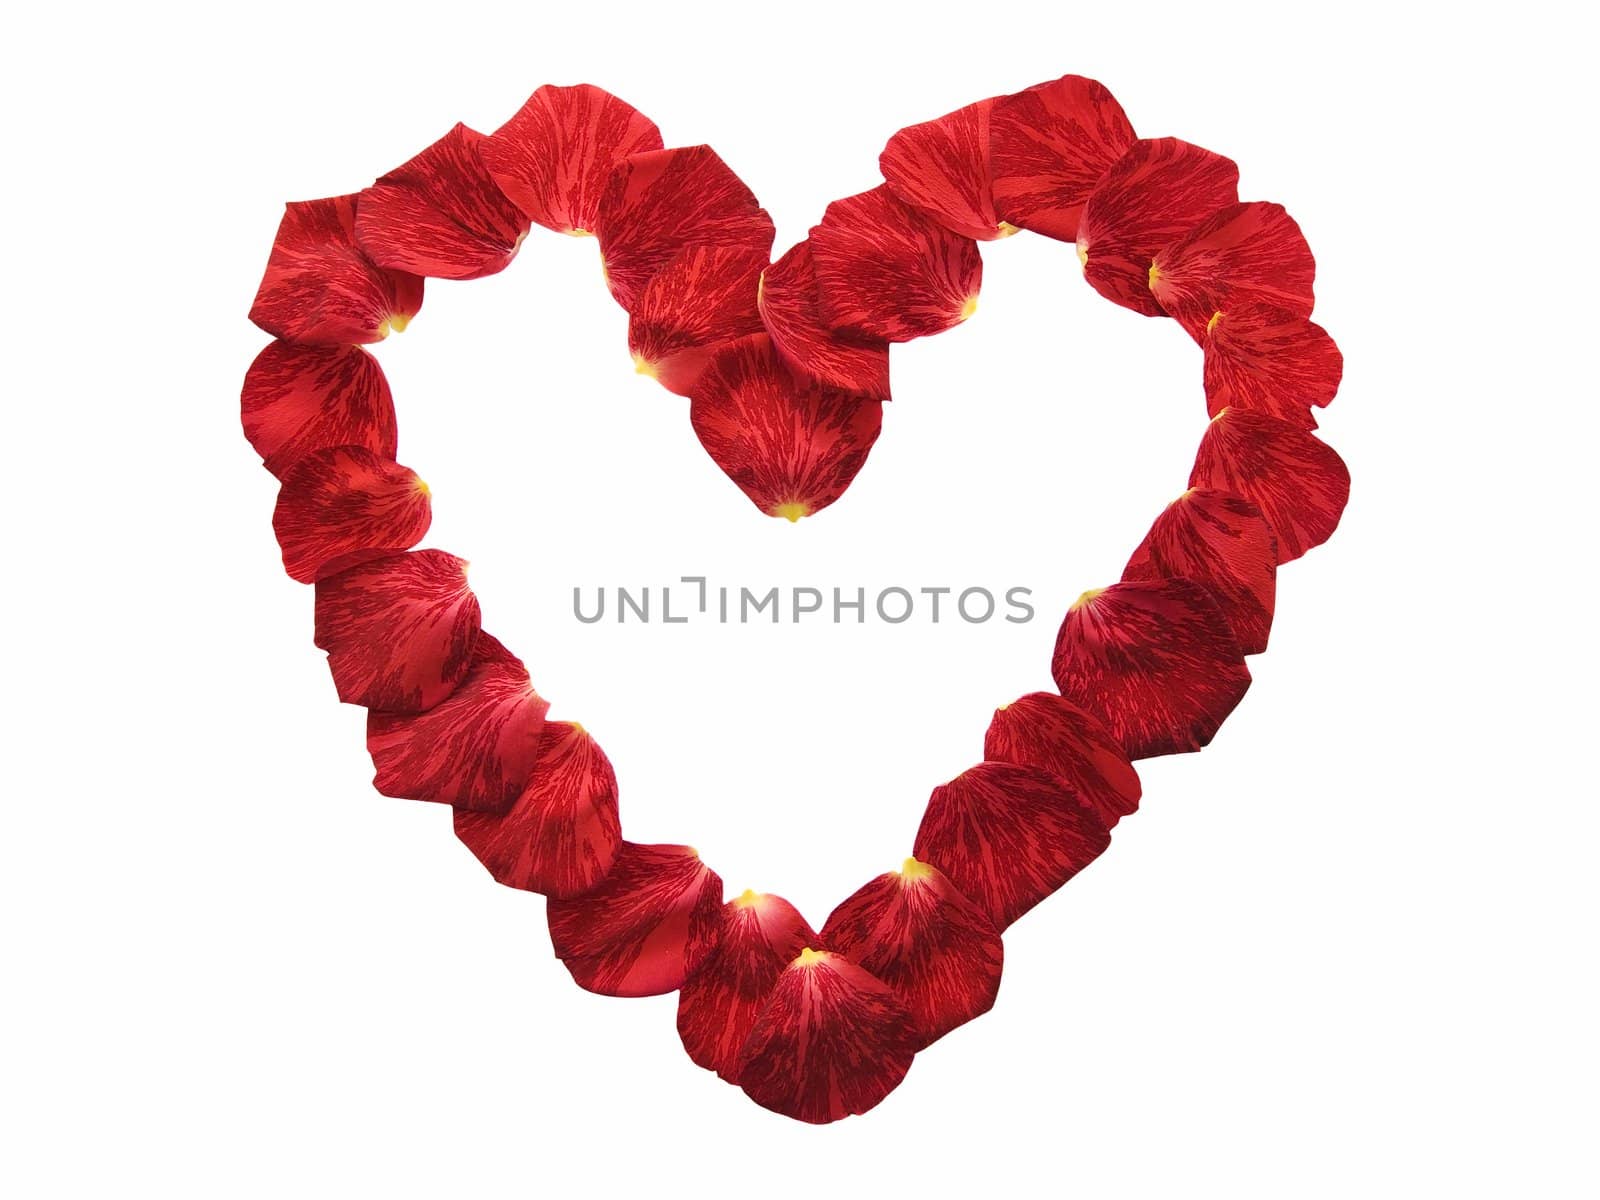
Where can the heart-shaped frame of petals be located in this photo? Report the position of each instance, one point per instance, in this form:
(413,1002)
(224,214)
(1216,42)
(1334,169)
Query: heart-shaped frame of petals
(786,368)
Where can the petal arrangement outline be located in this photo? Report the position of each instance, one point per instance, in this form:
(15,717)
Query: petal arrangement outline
(785,367)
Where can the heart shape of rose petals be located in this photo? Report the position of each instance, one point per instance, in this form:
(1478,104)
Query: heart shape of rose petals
(786,368)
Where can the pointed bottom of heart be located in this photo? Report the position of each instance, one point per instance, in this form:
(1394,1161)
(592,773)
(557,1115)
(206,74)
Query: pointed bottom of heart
(831,1042)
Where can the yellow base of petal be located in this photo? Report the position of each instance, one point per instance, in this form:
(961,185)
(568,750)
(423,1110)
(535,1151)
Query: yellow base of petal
(911,870)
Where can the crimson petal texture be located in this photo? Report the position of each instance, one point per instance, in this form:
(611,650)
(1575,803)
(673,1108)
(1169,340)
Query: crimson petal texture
(657,203)
(1299,483)
(1154,194)
(932,946)
(1222,542)
(1243,254)
(717,1007)
(1008,836)
(1049,146)
(702,299)
(552,159)
(1266,360)
(477,749)
(832,1041)
(645,928)
(941,168)
(441,214)
(1044,731)
(884,270)
(562,833)
(790,311)
(345,505)
(791,446)
(319,288)
(298,399)
(1157,661)
(399,631)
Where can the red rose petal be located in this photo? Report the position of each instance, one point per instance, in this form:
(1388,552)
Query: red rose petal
(656,204)
(399,631)
(1156,662)
(932,946)
(1299,483)
(477,749)
(1154,194)
(790,445)
(645,928)
(702,299)
(941,168)
(441,214)
(320,288)
(345,505)
(717,1007)
(1267,360)
(1244,254)
(553,158)
(832,1041)
(1008,836)
(1044,731)
(790,311)
(1049,147)
(1222,542)
(562,834)
(886,271)
(298,399)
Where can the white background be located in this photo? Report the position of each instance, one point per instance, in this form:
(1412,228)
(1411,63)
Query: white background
(1348,950)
